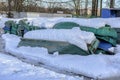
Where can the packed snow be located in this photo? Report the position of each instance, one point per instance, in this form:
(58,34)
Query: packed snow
(74,36)
(13,69)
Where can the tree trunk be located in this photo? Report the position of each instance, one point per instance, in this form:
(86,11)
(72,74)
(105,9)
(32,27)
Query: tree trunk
(86,6)
(9,9)
(96,8)
(18,4)
(76,4)
(112,2)
(101,7)
(93,7)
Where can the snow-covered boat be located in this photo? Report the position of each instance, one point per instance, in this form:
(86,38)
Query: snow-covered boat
(72,41)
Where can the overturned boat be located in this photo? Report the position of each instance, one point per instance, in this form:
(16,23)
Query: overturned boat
(71,41)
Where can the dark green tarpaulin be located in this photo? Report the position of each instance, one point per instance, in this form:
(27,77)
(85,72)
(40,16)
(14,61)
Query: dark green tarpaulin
(118,33)
(61,47)
(105,33)
(11,29)
(16,28)
(65,25)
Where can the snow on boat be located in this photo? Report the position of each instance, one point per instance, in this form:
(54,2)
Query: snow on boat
(72,41)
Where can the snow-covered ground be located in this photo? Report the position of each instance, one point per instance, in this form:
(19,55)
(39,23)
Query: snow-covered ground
(93,22)
(13,69)
(96,66)
(50,22)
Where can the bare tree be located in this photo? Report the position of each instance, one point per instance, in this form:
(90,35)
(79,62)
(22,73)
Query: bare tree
(2,5)
(110,3)
(51,5)
(76,6)
(18,5)
(32,5)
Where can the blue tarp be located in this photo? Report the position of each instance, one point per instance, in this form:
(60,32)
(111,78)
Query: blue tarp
(6,28)
(104,45)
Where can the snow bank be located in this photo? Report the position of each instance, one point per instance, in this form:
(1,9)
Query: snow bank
(96,66)
(50,22)
(74,36)
(13,69)
(93,22)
